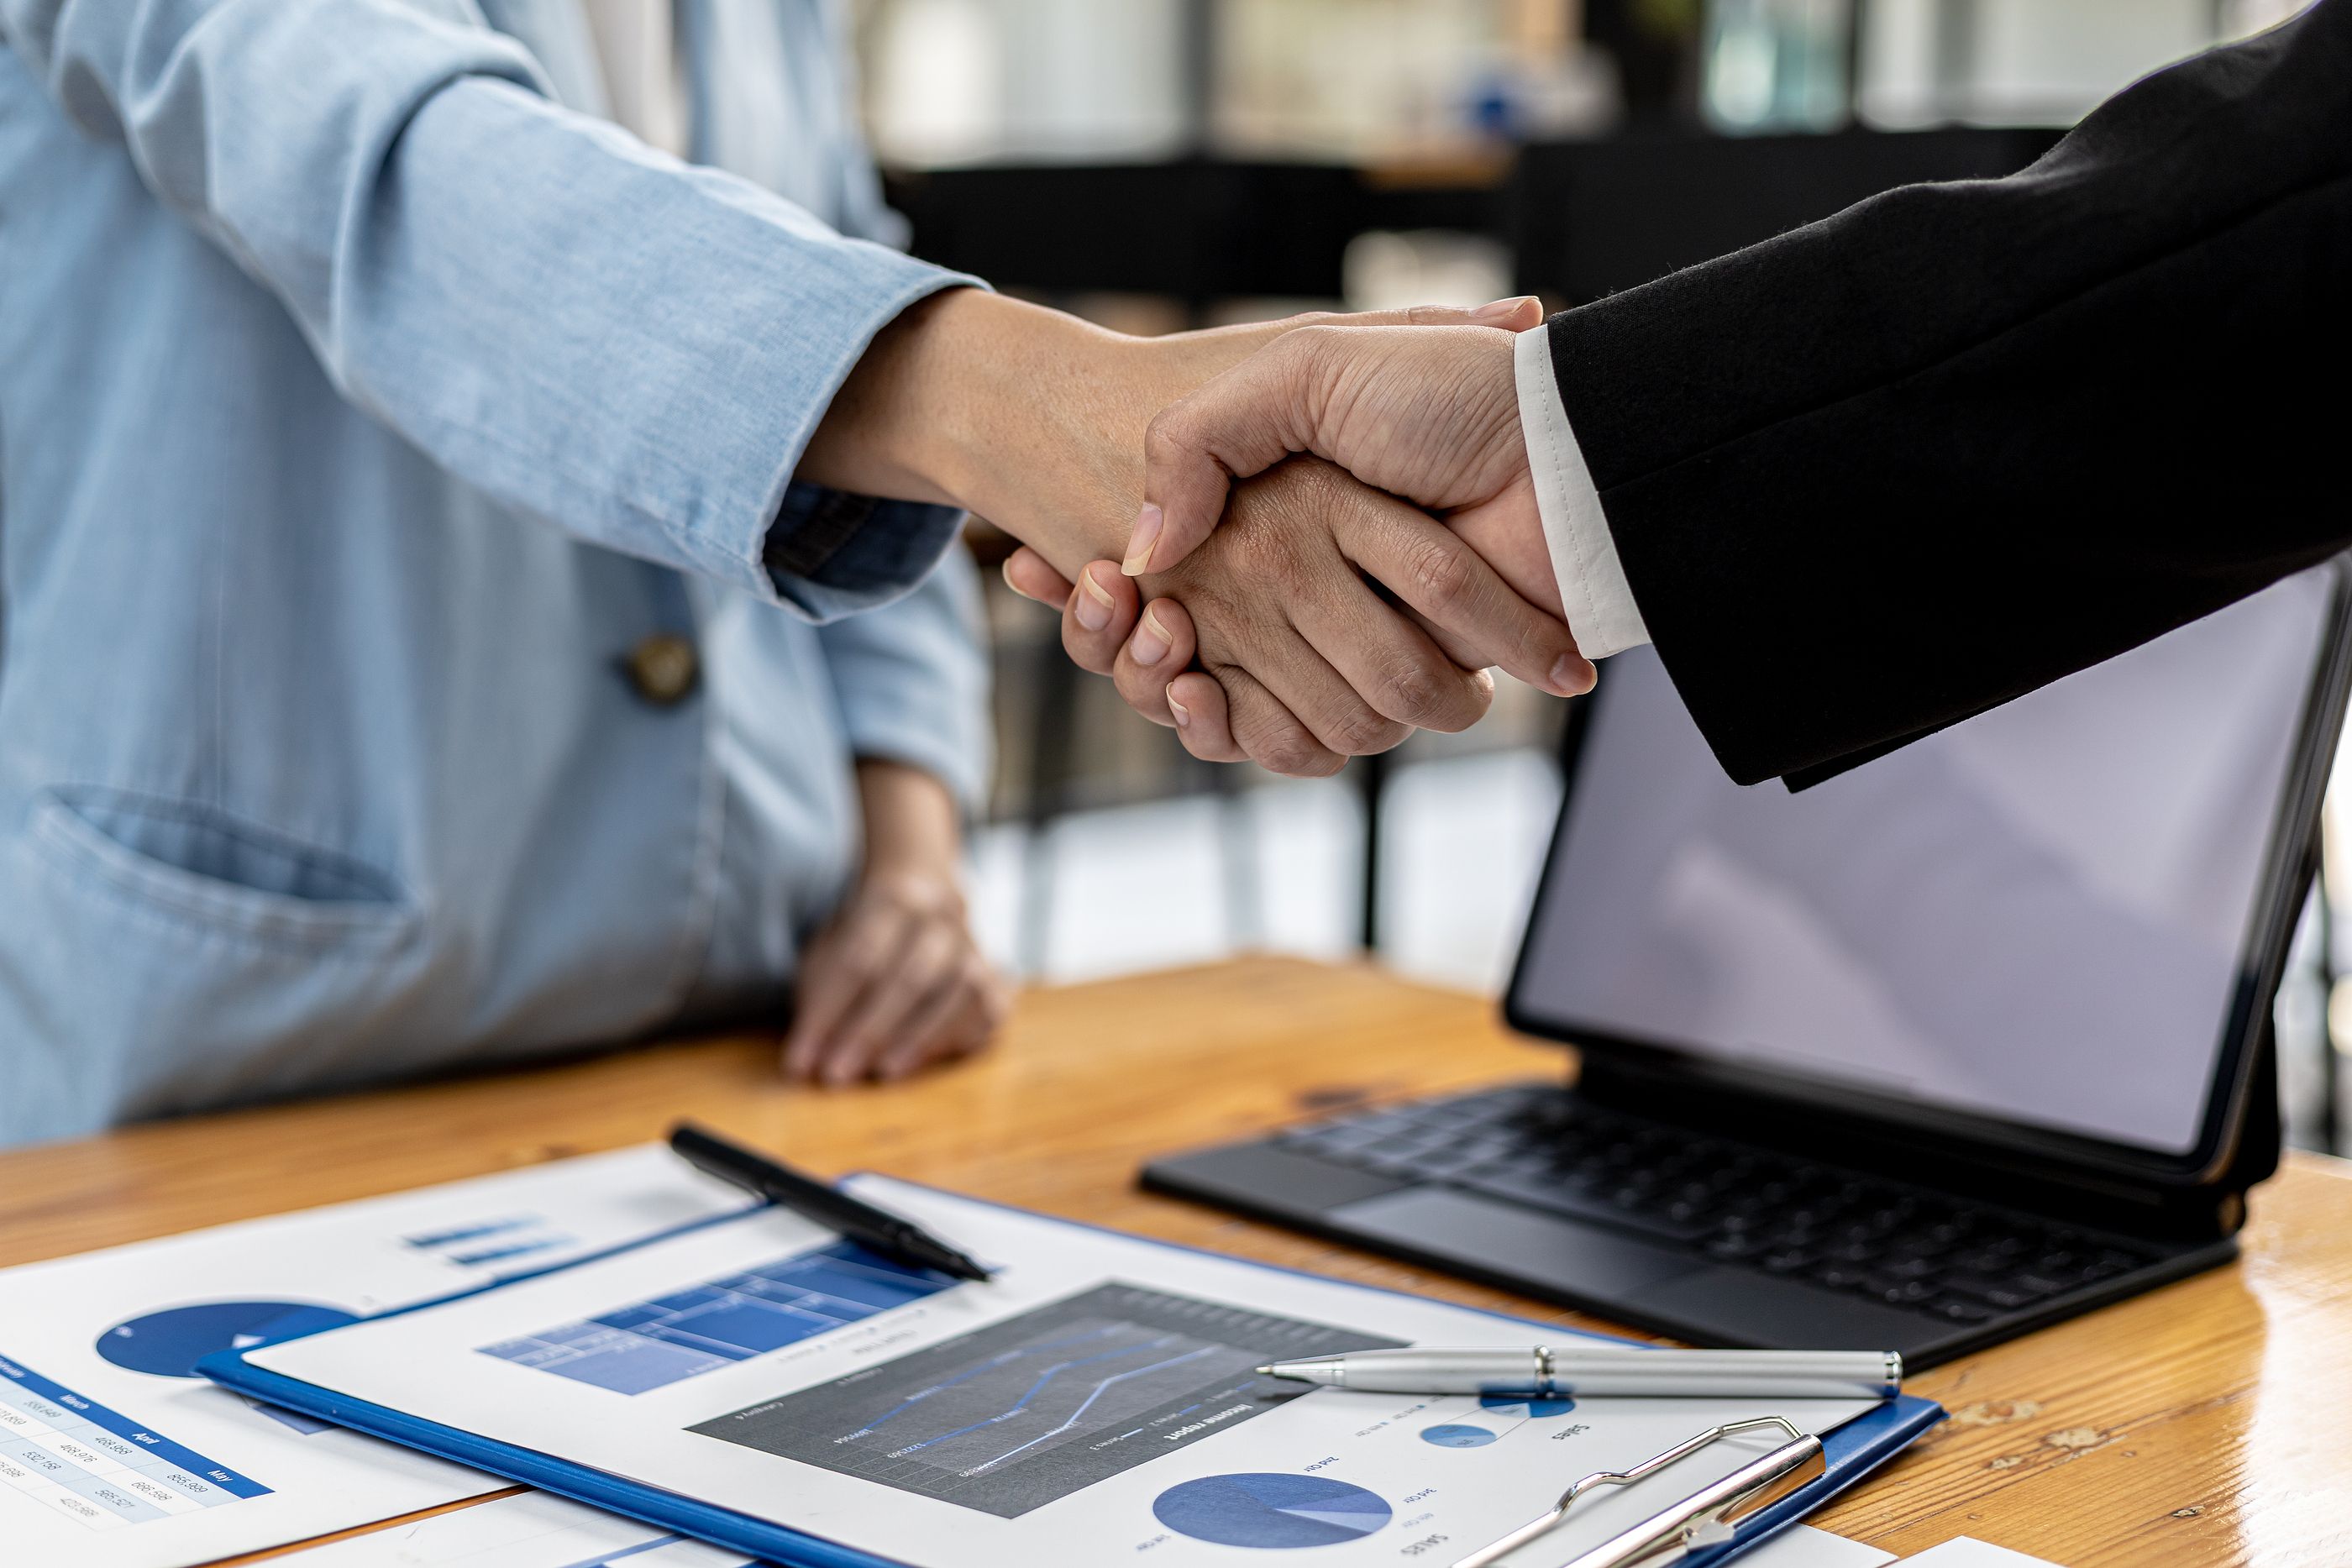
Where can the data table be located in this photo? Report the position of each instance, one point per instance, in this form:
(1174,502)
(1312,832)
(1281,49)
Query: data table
(98,1465)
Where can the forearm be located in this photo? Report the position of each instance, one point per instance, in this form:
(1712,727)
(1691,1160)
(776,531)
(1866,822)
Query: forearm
(586,331)
(912,824)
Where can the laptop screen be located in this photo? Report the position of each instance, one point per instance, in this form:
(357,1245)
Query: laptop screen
(2041,915)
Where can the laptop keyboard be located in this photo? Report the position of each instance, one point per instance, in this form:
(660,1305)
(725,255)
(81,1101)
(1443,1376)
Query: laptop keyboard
(1739,1204)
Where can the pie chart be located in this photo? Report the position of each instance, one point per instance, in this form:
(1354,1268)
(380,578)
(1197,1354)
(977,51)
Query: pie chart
(169,1343)
(1527,1409)
(1270,1511)
(1456,1435)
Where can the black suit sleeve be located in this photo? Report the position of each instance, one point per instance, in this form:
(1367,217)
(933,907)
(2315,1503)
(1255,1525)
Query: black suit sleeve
(1884,472)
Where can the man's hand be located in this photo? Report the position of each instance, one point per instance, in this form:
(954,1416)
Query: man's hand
(1431,413)
(895,981)
(1036,421)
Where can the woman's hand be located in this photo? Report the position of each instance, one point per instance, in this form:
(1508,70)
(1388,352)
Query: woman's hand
(895,981)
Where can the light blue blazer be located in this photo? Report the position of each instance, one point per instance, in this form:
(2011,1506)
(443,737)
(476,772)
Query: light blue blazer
(364,400)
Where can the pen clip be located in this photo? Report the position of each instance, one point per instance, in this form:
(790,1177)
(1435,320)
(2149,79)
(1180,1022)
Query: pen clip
(1705,1518)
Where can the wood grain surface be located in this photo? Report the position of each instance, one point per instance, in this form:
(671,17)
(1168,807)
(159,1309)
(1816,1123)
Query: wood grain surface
(2204,1424)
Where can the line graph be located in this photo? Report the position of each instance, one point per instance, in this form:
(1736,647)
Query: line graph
(1009,1417)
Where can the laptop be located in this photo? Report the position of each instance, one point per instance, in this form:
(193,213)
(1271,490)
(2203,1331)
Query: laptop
(1960,1042)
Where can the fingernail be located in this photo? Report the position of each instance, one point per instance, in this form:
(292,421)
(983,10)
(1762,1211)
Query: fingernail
(1139,542)
(1502,310)
(1094,606)
(1568,678)
(1151,642)
(1183,715)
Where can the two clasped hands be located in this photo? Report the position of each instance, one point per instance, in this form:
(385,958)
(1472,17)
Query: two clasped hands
(1295,542)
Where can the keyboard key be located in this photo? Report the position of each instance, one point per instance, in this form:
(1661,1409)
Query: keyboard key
(1990,1258)
(1897,1292)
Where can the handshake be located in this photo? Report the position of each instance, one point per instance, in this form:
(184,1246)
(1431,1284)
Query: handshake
(1295,542)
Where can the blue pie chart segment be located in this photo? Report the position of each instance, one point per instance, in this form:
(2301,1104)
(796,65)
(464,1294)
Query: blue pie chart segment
(1454,1435)
(169,1343)
(1270,1511)
(1530,1409)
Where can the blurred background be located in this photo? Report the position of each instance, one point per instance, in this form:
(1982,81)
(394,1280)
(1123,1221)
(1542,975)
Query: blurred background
(1156,164)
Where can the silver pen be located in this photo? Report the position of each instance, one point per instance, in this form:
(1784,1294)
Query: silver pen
(1553,1371)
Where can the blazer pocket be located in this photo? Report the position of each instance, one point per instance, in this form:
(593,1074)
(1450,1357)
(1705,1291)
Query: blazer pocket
(204,867)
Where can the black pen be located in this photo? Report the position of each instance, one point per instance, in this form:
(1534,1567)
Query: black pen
(810,1198)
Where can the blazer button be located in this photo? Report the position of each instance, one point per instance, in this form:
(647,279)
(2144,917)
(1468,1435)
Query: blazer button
(663,669)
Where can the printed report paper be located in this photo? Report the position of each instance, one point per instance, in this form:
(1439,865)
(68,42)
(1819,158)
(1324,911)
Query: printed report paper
(537,1530)
(533,1530)
(113,1454)
(1095,1400)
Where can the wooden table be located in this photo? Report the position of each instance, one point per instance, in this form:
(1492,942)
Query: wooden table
(2203,1424)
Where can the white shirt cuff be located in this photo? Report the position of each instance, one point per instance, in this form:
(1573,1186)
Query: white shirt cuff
(1593,586)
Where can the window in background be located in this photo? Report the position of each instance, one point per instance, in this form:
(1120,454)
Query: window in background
(2025,62)
(1777,65)
(962,81)
(1375,79)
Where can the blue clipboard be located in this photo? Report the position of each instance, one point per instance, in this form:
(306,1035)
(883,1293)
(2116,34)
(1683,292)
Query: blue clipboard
(1851,1452)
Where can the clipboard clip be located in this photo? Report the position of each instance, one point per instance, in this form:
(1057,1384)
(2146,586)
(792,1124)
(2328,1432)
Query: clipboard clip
(1705,1518)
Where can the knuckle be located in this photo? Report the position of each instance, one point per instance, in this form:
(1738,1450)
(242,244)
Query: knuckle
(1414,694)
(1361,732)
(1291,753)
(1313,339)
(1442,573)
(1089,651)
(1137,688)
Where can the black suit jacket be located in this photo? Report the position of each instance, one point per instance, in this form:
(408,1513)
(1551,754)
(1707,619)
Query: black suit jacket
(1884,472)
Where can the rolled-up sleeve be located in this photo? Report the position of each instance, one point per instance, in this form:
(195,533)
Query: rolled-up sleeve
(911,680)
(594,334)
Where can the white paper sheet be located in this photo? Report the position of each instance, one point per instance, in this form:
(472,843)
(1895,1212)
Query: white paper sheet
(533,1530)
(1805,1547)
(113,1455)
(1967,1551)
(1093,1401)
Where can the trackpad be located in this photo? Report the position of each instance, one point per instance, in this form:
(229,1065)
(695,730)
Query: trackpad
(1579,1260)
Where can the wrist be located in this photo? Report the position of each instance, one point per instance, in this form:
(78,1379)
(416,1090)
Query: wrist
(1007,409)
(1030,417)
(911,825)
(1038,421)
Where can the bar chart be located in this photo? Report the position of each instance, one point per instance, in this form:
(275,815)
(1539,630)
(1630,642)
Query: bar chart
(652,1344)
